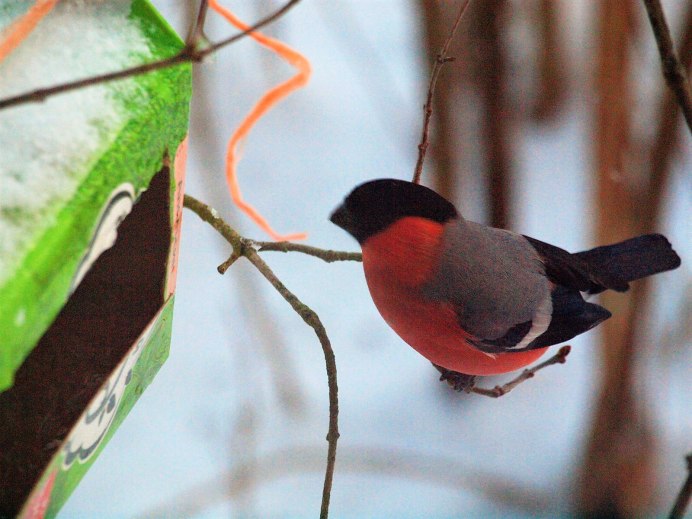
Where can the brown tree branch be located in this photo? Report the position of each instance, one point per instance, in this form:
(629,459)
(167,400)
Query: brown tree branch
(683,499)
(448,126)
(666,140)
(461,382)
(190,53)
(244,247)
(559,358)
(673,70)
(197,35)
(327,255)
(440,60)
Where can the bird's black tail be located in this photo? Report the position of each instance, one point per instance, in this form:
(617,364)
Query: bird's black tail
(631,259)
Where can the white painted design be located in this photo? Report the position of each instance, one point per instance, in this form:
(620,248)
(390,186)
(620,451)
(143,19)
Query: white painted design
(116,208)
(94,423)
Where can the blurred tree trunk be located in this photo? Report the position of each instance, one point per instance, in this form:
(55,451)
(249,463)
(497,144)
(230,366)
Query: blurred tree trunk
(552,78)
(490,27)
(618,473)
(650,201)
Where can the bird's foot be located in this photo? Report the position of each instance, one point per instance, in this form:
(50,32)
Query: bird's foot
(455,380)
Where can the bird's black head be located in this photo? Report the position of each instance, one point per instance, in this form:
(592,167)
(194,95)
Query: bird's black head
(375,205)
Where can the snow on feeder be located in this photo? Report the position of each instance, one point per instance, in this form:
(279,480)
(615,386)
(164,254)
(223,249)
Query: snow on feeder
(91,188)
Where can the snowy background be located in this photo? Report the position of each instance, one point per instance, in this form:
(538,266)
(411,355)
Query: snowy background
(234,424)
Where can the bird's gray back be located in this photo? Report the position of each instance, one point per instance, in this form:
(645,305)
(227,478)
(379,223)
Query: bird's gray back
(493,277)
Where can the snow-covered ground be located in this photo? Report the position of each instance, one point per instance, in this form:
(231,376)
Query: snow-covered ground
(409,447)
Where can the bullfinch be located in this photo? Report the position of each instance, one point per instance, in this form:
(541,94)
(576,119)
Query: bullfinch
(475,300)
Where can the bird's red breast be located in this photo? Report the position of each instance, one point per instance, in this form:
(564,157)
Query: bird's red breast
(398,262)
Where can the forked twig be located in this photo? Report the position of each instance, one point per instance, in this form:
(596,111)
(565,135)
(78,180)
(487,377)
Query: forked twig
(440,60)
(242,247)
(559,358)
(461,382)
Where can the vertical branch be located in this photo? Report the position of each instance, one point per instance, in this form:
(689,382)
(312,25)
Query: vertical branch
(673,70)
(496,122)
(440,60)
(617,476)
(658,169)
(311,319)
(196,35)
(619,481)
(666,139)
(444,156)
(243,441)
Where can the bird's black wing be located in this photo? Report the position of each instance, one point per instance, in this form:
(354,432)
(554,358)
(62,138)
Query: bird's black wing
(571,316)
(593,271)
(508,341)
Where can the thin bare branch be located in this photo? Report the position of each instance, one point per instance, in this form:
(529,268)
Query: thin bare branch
(467,383)
(227,264)
(190,53)
(197,34)
(244,247)
(664,143)
(312,320)
(683,499)
(446,166)
(559,358)
(673,69)
(327,255)
(440,60)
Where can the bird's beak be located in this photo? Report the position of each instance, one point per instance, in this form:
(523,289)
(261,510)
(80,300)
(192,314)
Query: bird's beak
(342,217)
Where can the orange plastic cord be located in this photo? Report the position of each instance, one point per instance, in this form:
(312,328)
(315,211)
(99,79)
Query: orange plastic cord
(266,102)
(22,27)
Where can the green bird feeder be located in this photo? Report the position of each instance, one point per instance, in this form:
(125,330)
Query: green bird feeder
(91,190)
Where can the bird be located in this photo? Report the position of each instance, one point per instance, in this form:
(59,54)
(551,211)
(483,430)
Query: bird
(476,300)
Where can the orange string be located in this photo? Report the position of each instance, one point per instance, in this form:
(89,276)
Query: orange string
(22,27)
(266,102)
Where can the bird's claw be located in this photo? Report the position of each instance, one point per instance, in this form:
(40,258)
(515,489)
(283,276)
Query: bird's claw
(457,381)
